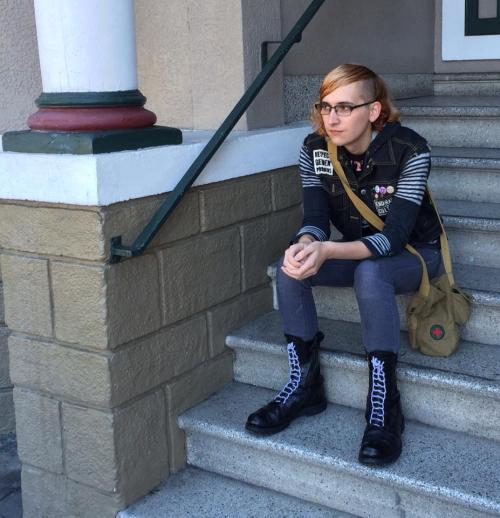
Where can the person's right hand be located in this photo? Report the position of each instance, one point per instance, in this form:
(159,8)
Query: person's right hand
(289,260)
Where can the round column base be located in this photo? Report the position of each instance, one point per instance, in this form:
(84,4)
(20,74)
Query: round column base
(91,119)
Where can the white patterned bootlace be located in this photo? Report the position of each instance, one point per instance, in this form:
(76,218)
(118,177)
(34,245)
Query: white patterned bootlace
(378,392)
(294,376)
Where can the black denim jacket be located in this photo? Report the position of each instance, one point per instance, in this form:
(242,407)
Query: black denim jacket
(394,197)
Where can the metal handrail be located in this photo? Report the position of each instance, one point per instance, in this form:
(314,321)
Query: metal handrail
(119,250)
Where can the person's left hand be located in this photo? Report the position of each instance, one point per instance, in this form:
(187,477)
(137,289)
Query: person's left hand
(311,258)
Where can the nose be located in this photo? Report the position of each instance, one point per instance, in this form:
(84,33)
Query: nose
(333,117)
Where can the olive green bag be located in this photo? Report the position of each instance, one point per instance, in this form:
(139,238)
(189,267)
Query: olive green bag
(436,312)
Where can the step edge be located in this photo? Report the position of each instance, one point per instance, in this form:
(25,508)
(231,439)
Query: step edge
(428,376)
(453,496)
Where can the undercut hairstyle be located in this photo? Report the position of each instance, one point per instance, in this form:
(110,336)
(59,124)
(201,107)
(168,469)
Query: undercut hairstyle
(372,88)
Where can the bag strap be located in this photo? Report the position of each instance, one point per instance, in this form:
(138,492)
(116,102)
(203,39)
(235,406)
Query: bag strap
(445,249)
(377,222)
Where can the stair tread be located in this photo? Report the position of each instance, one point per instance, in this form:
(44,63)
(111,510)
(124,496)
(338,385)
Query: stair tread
(449,465)
(450,105)
(472,277)
(195,492)
(471,153)
(469,209)
(483,373)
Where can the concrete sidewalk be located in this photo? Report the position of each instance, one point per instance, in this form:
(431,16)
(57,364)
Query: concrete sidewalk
(10,478)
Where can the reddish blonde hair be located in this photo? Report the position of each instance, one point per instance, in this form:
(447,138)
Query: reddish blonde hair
(373,88)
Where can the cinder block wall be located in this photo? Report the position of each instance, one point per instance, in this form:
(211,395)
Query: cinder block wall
(7,420)
(104,357)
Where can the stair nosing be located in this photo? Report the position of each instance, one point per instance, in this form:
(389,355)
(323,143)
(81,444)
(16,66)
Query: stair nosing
(337,463)
(464,383)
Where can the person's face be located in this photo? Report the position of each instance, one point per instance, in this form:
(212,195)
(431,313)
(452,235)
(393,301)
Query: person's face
(352,131)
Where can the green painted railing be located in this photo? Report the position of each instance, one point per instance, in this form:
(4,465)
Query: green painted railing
(119,250)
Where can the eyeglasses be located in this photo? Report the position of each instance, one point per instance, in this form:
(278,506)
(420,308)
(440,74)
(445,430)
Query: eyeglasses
(342,109)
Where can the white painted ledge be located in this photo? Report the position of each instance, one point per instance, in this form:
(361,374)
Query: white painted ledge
(113,177)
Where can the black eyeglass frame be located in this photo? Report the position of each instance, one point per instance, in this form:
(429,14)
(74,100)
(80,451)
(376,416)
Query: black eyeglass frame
(343,105)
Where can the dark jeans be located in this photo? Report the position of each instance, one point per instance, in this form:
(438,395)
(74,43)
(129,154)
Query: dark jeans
(376,283)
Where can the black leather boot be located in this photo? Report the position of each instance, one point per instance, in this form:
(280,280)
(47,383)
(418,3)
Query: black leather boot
(304,393)
(381,442)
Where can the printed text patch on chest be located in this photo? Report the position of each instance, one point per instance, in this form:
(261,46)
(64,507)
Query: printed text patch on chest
(322,164)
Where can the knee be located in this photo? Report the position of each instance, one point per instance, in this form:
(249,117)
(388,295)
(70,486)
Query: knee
(283,281)
(368,277)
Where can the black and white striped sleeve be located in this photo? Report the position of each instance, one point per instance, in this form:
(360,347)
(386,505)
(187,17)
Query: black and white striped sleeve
(413,179)
(316,220)
(405,207)
(308,177)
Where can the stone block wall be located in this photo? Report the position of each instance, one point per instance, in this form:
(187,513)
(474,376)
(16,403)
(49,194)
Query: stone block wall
(105,356)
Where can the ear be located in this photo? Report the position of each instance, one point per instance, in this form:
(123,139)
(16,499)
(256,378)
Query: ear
(375,109)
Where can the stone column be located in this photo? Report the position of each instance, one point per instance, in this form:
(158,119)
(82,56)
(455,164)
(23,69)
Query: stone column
(89,76)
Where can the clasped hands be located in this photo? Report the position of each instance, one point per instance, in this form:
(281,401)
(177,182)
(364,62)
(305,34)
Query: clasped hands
(303,260)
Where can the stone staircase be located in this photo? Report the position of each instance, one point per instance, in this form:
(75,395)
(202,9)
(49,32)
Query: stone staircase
(450,466)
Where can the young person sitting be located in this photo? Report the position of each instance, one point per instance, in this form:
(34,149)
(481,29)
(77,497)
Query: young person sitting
(387,165)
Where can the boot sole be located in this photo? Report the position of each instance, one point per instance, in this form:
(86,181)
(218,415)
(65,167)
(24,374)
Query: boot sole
(369,461)
(307,411)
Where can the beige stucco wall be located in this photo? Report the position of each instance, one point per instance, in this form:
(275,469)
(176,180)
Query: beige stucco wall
(390,37)
(450,67)
(20,80)
(195,59)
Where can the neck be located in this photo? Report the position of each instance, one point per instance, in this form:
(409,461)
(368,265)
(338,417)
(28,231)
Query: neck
(361,144)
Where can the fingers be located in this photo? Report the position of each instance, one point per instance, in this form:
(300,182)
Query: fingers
(306,269)
(290,260)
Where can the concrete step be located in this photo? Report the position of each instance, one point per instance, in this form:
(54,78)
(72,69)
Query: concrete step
(467,84)
(454,120)
(196,493)
(483,325)
(473,230)
(440,473)
(467,174)
(460,393)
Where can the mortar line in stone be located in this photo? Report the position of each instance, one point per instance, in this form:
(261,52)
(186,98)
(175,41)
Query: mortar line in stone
(56,258)
(202,210)
(117,349)
(51,299)
(51,205)
(163,395)
(241,232)
(210,333)
(273,192)
(208,354)
(63,443)
(161,273)
(123,347)
(124,404)
(168,435)
(41,471)
(208,233)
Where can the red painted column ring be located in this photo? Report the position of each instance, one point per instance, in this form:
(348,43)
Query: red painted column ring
(91,119)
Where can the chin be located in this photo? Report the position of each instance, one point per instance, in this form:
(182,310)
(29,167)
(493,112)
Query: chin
(338,140)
